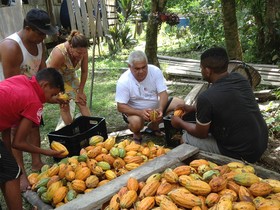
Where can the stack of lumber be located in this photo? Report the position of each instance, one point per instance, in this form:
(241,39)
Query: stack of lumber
(188,70)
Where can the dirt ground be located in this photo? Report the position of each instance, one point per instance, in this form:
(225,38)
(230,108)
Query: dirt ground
(271,157)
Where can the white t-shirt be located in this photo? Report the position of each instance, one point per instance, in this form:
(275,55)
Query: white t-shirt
(141,95)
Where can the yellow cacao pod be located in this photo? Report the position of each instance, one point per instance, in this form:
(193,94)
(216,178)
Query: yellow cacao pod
(92,181)
(60,194)
(114,202)
(246,179)
(33,178)
(110,175)
(224,203)
(109,143)
(59,147)
(95,140)
(198,187)
(131,166)
(53,188)
(153,115)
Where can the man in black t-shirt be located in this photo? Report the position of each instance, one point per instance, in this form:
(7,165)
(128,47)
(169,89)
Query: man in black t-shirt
(228,119)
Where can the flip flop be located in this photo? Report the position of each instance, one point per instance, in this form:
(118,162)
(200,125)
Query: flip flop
(157,133)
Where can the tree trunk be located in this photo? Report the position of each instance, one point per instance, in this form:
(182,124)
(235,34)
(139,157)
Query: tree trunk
(231,29)
(272,35)
(152,31)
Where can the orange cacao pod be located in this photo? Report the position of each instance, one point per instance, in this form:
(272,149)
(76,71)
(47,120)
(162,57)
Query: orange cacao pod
(218,183)
(78,185)
(149,189)
(128,199)
(132,184)
(260,189)
(179,113)
(146,204)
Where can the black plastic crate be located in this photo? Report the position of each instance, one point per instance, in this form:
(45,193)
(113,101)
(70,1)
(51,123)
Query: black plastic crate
(171,133)
(76,135)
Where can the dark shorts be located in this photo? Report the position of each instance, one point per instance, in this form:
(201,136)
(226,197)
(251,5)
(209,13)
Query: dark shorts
(164,111)
(9,168)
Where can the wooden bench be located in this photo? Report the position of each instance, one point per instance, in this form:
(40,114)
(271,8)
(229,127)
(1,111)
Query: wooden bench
(188,70)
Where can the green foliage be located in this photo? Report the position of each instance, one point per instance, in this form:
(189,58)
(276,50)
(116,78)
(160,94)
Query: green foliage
(119,36)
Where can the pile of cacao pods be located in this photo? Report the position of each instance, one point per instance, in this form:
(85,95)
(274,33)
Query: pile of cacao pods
(200,185)
(97,164)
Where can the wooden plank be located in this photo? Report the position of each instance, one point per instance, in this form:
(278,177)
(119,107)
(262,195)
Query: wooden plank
(270,74)
(104,17)
(84,18)
(71,14)
(98,19)
(92,20)
(100,195)
(11,20)
(190,99)
(78,16)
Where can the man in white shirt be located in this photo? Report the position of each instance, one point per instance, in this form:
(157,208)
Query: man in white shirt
(140,90)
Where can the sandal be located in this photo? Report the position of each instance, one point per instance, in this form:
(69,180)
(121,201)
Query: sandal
(157,133)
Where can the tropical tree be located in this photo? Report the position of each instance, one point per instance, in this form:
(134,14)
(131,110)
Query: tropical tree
(157,6)
(233,44)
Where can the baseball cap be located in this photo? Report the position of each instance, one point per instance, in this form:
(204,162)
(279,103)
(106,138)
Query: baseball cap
(40,20)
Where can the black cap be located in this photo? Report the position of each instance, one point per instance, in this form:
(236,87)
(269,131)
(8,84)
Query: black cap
(40,20)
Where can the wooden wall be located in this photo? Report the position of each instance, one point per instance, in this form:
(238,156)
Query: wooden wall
(11,18)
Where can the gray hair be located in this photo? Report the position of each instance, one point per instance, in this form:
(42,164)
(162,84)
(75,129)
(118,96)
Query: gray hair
(137,56)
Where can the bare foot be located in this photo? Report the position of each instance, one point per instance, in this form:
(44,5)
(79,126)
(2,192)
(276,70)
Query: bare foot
(37,166)
(24,183)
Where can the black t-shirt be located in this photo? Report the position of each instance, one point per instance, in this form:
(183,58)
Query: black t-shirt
(236,121)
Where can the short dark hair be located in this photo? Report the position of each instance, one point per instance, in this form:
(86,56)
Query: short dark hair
(52,76)
(215,58)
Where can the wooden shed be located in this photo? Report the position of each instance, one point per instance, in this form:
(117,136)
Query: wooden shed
(80,12)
